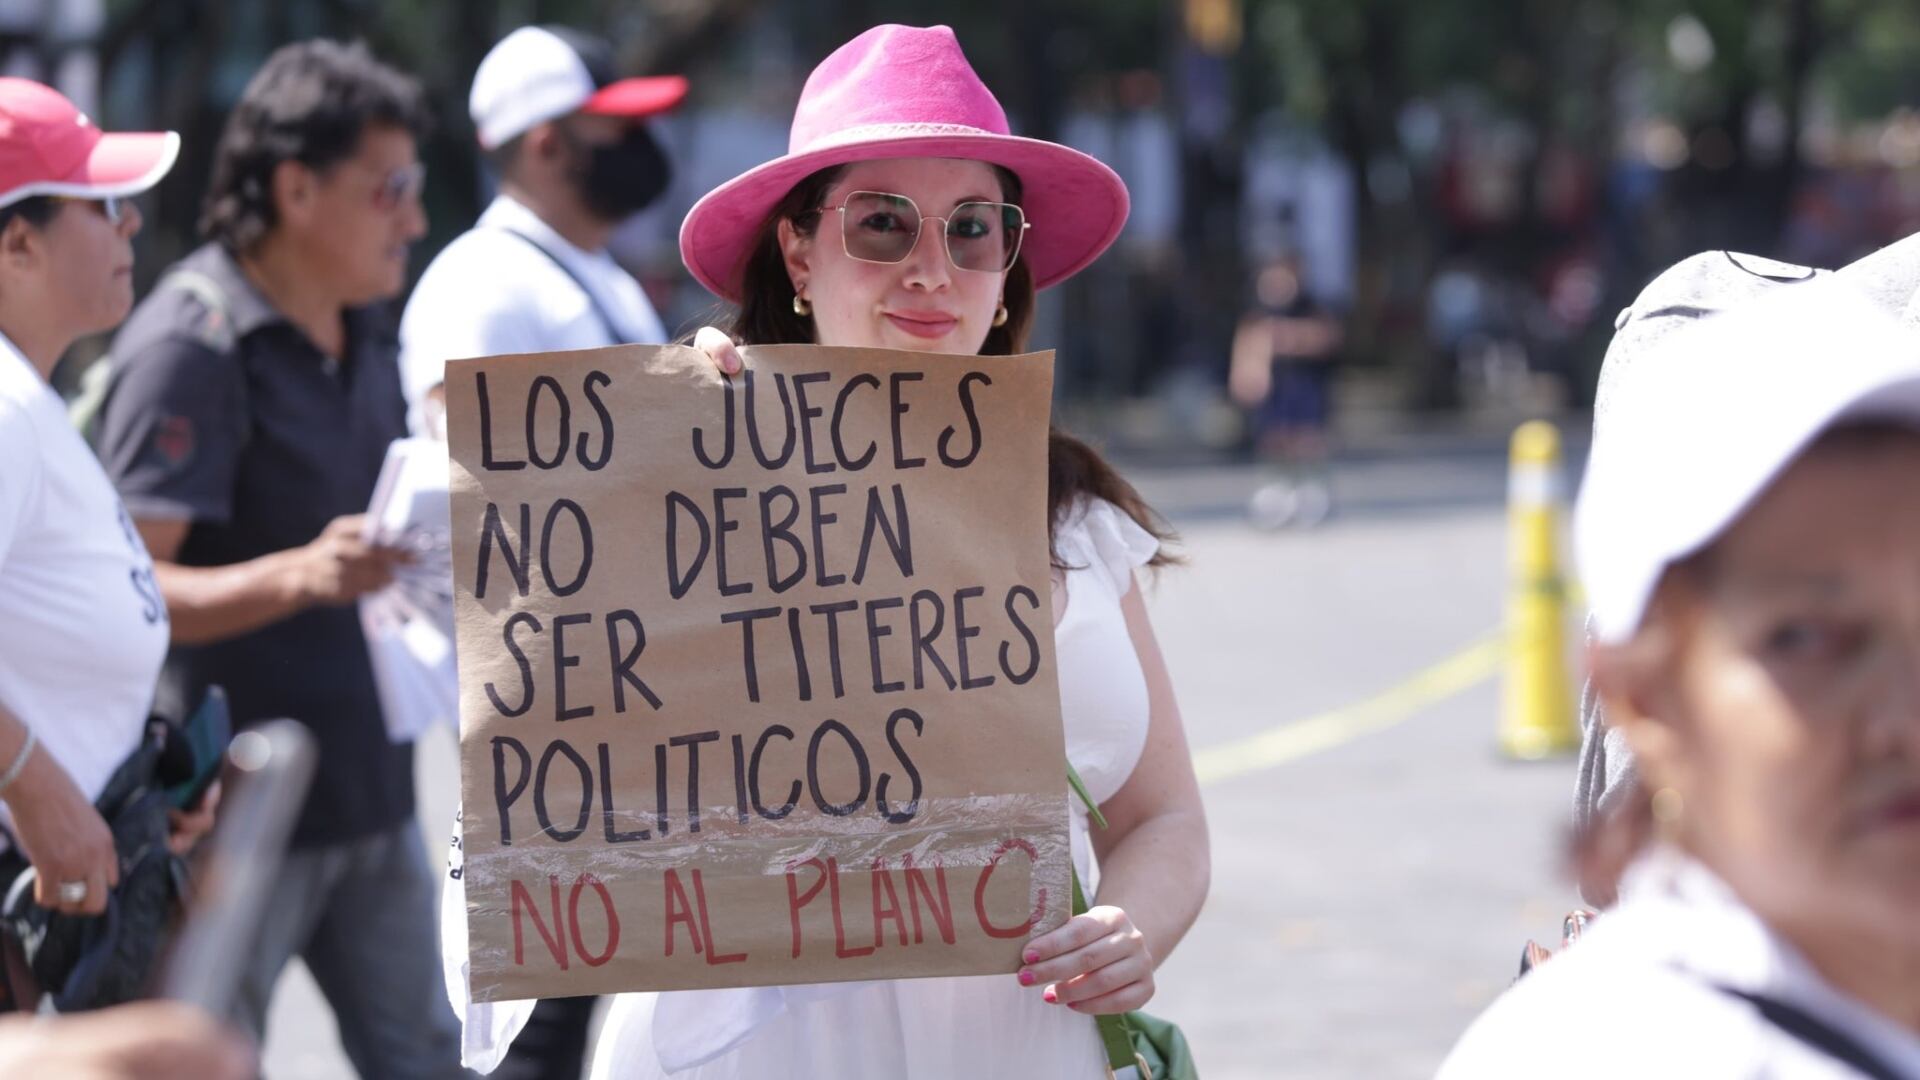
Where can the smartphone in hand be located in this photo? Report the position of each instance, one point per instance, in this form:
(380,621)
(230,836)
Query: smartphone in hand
(197,750)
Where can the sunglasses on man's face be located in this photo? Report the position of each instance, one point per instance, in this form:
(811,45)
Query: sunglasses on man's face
(879,227)
(400,185)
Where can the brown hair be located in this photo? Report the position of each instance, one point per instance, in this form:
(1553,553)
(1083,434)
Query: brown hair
(311,102)
(766,317)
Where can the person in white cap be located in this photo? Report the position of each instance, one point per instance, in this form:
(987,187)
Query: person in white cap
(1692,289)
(575,158)
(1749,535)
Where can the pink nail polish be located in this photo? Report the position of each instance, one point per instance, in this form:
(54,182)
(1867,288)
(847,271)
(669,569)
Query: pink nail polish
(1030,956)
(1026,978)
(1049,996)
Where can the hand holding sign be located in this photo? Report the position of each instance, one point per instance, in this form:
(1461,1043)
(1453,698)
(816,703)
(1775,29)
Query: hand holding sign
(1098,963)
(757,673)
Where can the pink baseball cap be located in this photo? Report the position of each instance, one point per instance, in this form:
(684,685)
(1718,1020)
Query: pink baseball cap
(49,147)
(907,91)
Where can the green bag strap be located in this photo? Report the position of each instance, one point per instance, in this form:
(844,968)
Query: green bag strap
(1116,1035)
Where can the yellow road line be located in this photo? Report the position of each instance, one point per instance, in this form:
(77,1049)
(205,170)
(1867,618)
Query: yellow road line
(1299,739)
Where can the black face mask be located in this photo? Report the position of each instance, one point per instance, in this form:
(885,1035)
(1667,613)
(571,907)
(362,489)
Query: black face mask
(618,180)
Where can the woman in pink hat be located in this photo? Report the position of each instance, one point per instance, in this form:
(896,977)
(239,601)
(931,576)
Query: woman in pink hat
(831,244)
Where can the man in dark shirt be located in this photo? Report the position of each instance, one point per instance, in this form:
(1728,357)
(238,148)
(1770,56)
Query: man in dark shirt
(253,396)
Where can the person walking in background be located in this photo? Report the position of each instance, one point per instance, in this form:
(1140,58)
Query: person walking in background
(1281,370)
(83,628)
(253,396)
(575,158)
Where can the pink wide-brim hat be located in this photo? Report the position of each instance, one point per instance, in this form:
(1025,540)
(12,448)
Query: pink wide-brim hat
(907,91)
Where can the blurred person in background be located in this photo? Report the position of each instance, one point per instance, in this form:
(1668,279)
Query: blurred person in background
(84,628)
(1748,530)
(575,158)
(1477,335)
(1281,374)
(254,394)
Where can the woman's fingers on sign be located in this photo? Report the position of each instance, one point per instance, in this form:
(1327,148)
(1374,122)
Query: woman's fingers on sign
(1125,984)
(1134,995)
(1097,962)
(719,348)
(1045,955)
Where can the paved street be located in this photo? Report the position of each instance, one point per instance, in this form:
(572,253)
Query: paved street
(1369,897)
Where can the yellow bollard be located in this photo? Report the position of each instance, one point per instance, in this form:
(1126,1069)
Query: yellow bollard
(1537,707)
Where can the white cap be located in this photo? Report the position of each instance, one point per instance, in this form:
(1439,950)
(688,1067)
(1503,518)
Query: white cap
(538,73)
(1715,281)
(1700,426)
(1692,289)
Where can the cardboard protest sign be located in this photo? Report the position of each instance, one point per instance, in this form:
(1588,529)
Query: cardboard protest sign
(757,674)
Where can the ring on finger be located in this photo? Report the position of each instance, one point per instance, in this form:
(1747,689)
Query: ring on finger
(72,892)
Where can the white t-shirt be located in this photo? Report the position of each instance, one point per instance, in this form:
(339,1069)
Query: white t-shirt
(492,291)
(1639,996)
(83,629)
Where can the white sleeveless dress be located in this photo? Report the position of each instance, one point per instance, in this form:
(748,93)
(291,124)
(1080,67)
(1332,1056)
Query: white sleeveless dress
(908,1029)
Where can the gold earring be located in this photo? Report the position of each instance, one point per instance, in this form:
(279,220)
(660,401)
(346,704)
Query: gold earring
(801,307)
(1000,316)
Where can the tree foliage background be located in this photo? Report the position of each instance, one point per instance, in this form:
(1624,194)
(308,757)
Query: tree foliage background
(1741,84)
